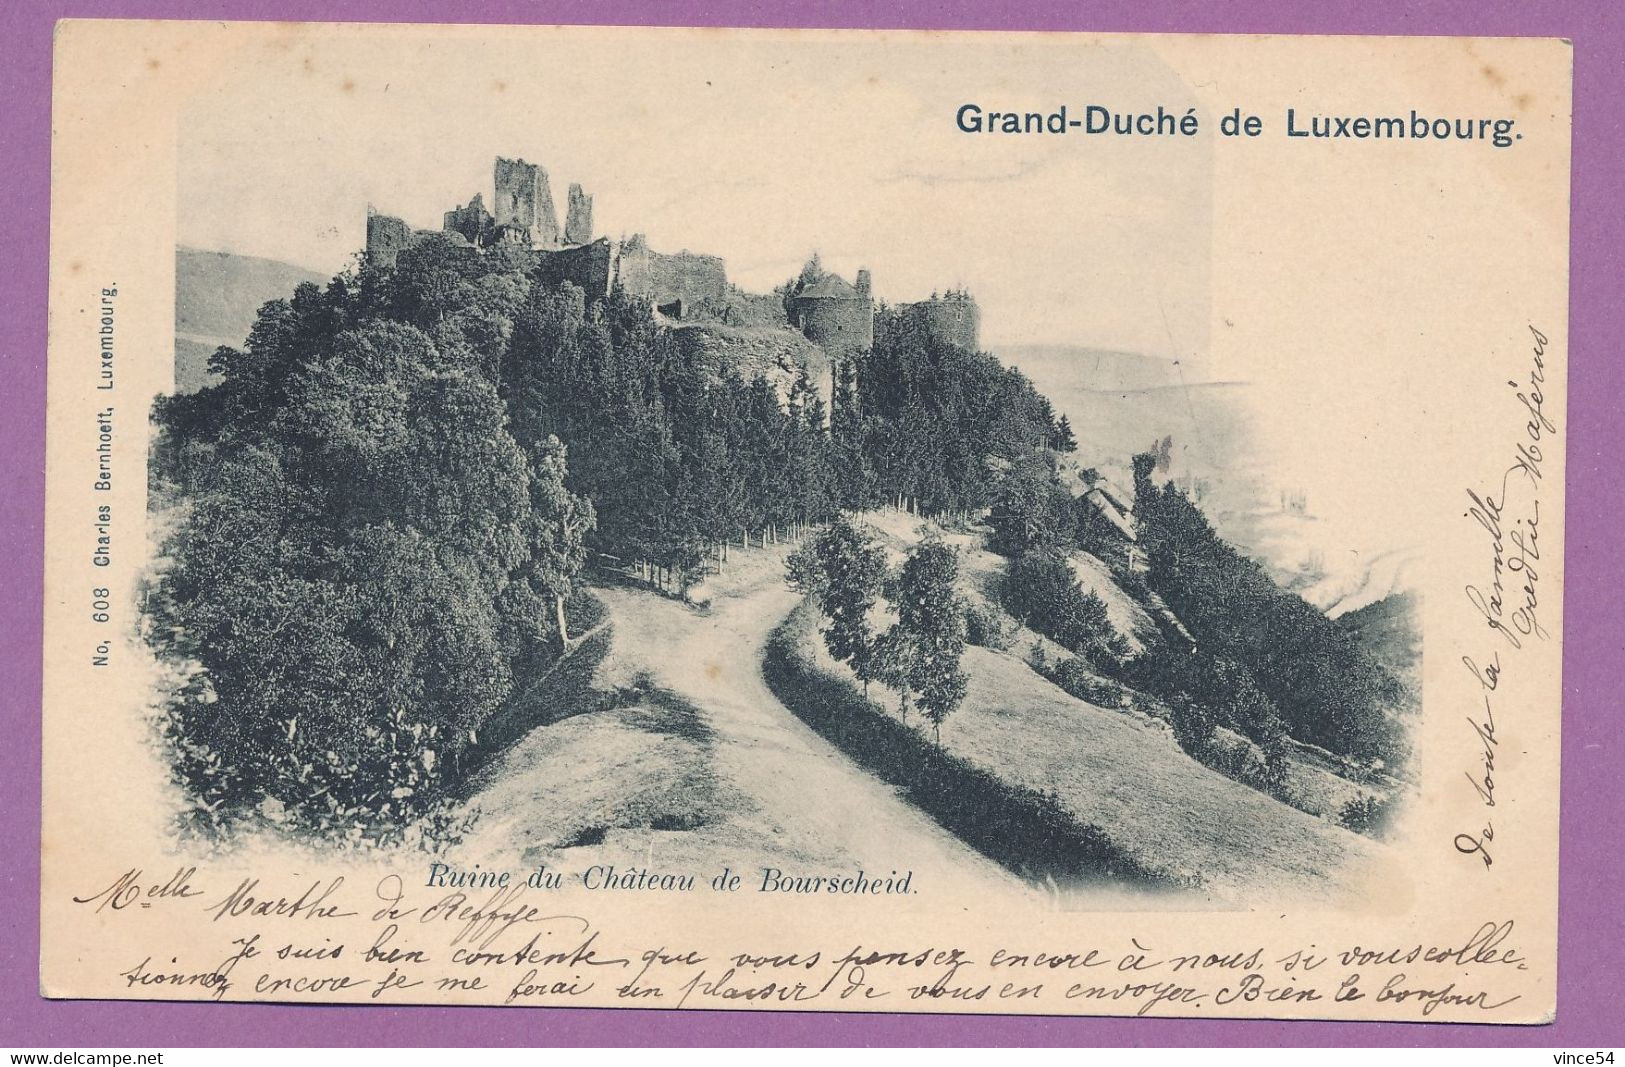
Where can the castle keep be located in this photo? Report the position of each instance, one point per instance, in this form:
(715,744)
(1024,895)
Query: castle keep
(524,206)
(837,315)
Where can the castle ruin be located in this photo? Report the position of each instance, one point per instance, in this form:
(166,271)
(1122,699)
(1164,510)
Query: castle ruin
(837,315)
(524,219)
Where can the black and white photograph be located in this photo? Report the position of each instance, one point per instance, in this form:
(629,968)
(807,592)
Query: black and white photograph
(517,536)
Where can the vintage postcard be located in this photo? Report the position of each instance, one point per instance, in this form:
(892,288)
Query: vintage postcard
(849,521)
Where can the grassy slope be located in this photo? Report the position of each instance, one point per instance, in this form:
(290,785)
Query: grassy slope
(1123,774)
(1121,770)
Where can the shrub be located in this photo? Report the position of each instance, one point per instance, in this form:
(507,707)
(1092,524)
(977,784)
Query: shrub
(389,790)
(1366,814)
(987,626)
(1133,583)
(1041,590)
(1193,725)
(1074,676)
(803,570)
(1231,688)
(1273,774)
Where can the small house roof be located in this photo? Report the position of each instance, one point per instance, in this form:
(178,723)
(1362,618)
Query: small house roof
(1107,507)
(829,287)
(1110,492)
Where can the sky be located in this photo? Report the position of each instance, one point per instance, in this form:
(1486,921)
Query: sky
(750,148)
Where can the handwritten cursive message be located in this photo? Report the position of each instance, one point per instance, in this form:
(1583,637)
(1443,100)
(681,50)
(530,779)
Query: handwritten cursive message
(255,938)
(1508,601)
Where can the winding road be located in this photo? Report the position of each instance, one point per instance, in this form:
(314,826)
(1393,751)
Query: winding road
(800,794)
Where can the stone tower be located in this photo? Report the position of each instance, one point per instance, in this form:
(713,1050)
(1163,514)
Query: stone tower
(386,236)
(578,217)
(524,203)
(835,314)
(952,318)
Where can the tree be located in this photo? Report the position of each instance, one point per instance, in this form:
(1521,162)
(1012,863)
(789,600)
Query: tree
(854,484)
(1031,510)
(349,572)
(339,578)
(933,414)
(849,570)
(560,522)
(896,664)
(1064,440)
(925,645)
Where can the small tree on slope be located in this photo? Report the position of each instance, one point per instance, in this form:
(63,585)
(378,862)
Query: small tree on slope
(929,637)
(845,573)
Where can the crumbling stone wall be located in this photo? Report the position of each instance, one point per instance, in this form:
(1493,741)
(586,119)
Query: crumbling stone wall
(696,280)
(522,228)
(588,266)
(472,221)
(754,309)
(578,217)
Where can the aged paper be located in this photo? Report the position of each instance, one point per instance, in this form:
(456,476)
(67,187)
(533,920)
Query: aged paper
(805,520)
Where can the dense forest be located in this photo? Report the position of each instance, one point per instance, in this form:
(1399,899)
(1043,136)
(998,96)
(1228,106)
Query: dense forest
(1244,653)
(1306,675)
(379,517)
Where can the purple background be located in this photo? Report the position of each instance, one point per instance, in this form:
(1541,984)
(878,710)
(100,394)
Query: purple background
(1592,916)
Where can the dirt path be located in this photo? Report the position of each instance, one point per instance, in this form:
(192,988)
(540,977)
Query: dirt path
(801,795)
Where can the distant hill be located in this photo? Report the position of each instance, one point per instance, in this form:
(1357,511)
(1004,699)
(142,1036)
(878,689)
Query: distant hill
(1390,631)
(1120,403)
(217,296)
(1102,370)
